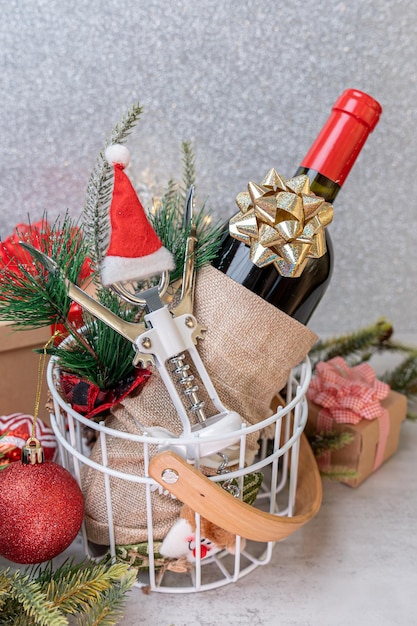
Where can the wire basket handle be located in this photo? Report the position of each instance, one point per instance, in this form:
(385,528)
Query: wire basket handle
(215,504)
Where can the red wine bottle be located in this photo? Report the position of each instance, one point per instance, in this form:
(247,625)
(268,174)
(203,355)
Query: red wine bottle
(327,165)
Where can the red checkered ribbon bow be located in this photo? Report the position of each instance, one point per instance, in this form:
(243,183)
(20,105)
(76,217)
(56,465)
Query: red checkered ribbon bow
(348,395)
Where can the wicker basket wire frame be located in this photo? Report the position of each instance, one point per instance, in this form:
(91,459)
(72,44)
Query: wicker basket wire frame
(277,459)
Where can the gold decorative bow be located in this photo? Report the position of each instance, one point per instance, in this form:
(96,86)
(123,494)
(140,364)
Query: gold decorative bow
(283,222)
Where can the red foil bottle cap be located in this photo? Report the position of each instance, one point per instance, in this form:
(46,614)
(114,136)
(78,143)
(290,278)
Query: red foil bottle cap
(354,115)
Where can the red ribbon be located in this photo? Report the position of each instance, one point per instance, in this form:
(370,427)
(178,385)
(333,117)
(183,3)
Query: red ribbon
(13,257)
(89,400)
(348,395)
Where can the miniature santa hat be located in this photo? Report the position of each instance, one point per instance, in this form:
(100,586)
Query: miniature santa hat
(135,250)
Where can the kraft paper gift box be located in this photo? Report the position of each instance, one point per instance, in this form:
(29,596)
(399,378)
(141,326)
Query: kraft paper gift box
(353,400)
(19,366)
(359,454)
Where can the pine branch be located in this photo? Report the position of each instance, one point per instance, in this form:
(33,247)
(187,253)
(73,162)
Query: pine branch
(362,345)
(109,360)
(29,595)
(110,609)
(167,218)
(167,221)
(96,225)
(404,377)
(355,347)
(78,589)
(188,160)
(329,441)
(338,473)
(5,587)
(29,296)
(40,596)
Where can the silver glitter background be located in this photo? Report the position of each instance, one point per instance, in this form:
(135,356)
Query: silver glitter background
(249,83)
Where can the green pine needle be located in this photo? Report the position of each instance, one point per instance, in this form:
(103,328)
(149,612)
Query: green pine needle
(96,224)
(29,595)
(404,377)
(93,593)
(188,160)
(77,589)
(5,588)
(110,610)
(99,354)
(30,298)
(329,441)
(338,473)
(363,344)
(355,347)
(33,298)
(167,221)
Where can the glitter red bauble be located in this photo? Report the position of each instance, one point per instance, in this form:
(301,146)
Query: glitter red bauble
(41,511)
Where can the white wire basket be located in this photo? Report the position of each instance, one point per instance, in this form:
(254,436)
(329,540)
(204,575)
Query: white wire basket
(277,460)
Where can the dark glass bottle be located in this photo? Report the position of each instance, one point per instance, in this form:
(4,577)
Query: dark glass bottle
(327,164)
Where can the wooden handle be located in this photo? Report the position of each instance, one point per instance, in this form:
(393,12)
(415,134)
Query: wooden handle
(221,508)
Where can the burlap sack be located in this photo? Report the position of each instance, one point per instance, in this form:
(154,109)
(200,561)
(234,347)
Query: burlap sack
(128,498)
(250,346)
(249,350)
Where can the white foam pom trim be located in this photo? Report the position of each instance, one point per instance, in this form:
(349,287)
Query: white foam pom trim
(117,153)
(117,269)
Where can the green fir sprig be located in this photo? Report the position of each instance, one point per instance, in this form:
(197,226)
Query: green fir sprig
(339,473)
(96,225)
(369,341)
(403,378)
(329,441)
(167,220)
(87,592)
(29,296)
(104,357)
(189,172)
(355,347)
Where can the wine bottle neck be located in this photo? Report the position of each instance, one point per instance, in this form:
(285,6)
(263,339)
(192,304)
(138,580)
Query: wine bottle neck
(319,184)
(333,153)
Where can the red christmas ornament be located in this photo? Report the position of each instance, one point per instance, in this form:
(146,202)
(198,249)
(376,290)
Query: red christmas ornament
(41,508)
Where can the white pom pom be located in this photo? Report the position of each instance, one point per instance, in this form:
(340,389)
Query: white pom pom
(117,153)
